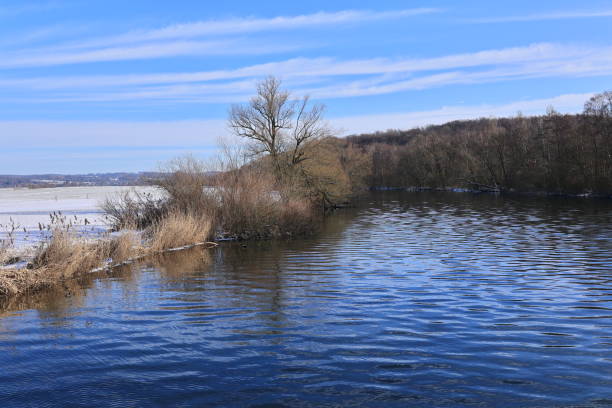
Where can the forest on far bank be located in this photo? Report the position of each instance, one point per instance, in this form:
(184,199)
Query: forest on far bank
(554,153)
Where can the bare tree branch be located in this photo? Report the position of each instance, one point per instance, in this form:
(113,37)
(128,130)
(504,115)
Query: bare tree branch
(278,125)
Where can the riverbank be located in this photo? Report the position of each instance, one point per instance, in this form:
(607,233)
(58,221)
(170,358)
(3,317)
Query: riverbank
(65,255)
(391,301)
(48,235)
(186,208)
(494,191)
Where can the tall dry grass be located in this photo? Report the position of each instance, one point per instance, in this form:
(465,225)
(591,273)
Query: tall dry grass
(69,254)
(178,229)
(124,246)
(241,202)
(64,256)
(4,253)
(183,187)
(251,204)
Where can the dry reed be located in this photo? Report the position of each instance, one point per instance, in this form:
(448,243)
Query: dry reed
(179,229)
(64,256)
(252,205)
(242,203)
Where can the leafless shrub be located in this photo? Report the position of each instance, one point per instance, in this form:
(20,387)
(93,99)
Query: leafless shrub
(134,210)
(251,206)
(184,182)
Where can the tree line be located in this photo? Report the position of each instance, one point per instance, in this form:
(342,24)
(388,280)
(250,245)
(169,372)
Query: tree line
(553,153)
(293,166)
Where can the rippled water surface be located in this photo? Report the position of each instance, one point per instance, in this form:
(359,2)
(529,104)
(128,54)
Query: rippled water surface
(412,299)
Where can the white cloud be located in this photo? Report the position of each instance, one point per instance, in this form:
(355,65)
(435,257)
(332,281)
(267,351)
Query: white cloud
(554,15)
(593,65)
(314,76)
(310,67)
(250,25)
(68,134)
(246,25)
(202,133)
(569,103)
(83,146)
(139,52)
(326,77)
(316,67)
(181,39)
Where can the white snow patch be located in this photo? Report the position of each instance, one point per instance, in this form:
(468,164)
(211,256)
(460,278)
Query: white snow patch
(25,208)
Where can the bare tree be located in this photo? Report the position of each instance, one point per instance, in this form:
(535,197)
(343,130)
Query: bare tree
(278,125)
(598,118)
(599,105)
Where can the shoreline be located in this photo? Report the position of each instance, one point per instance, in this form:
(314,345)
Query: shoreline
(542,194)
(22,274)
(27,280)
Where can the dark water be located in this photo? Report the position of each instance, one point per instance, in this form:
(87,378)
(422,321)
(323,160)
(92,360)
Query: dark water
(413,299)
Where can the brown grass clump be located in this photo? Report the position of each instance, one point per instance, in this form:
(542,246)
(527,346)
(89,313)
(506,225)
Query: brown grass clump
(297,217)
(242,201)
(246,202)
(179,229)
(17,281)
(252,206)
(64,256)
(66,253)
(4,254)
(124,246)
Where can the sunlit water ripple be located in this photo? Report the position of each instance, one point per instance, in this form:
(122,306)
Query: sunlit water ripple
(413,299)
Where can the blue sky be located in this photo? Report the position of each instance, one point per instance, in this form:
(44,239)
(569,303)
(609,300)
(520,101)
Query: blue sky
(94,86)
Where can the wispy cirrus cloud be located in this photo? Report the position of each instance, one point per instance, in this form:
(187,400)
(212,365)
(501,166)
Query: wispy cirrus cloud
(590,65)
(567,103)
(141,52)
(331,67)
(210,37)
(553,15)
(252,24)
(327,77)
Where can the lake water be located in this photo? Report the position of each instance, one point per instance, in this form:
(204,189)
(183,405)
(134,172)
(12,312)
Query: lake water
(411,299)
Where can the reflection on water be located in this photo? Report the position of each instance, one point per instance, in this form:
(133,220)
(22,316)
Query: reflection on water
(411,299)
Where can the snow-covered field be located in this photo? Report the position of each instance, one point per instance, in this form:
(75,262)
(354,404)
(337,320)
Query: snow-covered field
(25,208)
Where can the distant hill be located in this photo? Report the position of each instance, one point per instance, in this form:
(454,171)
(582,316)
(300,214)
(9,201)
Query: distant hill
(63,180)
